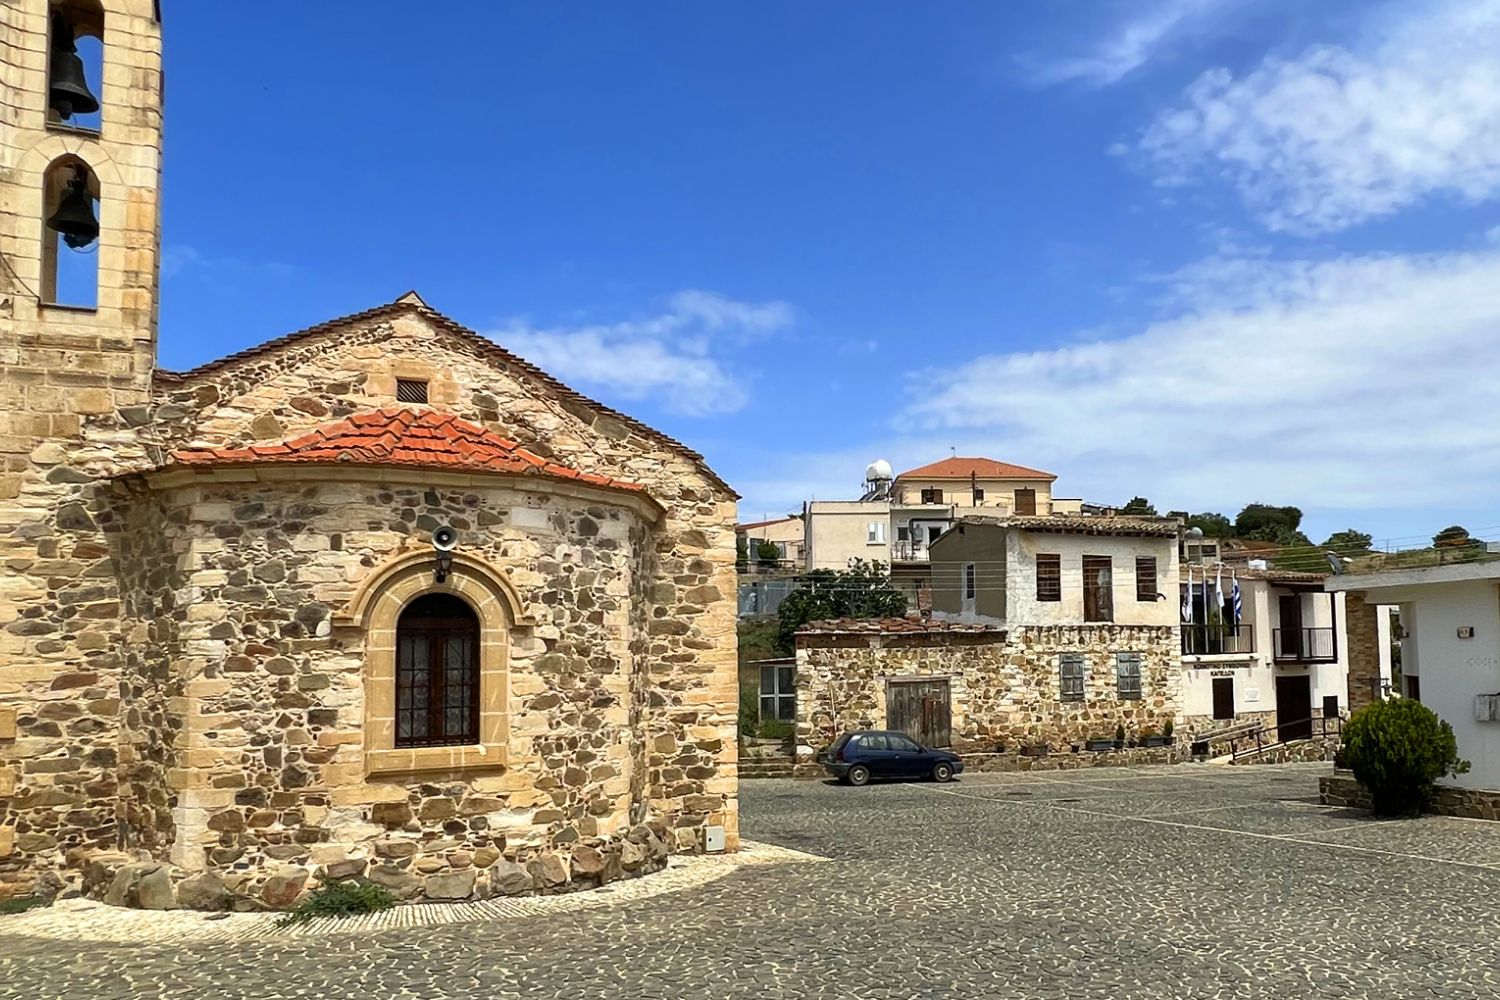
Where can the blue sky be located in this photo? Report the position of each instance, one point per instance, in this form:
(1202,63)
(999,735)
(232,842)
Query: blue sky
(1208,251)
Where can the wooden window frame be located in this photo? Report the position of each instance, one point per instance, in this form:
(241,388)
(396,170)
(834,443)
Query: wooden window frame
(971,582)
(1098,596)
(932,494)
(1070,676)
(1049,583)
(1145,578)
(436,637)
(1025,501)
(1128,681)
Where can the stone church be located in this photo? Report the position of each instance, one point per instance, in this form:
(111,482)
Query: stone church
(374,599)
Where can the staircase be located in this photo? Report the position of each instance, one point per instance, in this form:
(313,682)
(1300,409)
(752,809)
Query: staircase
(767,767)
(1313,740)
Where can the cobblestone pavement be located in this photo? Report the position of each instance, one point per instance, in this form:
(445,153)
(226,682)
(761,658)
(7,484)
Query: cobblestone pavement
(1185,882)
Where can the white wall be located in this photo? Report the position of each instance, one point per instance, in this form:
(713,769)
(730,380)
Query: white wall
(1454,670)
(1022,607)
(838,530)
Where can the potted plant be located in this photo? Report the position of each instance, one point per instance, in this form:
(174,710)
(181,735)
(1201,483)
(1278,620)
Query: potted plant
(1166,733)
(1035,750)
(1099,745)
(1120,736)
(1149,738)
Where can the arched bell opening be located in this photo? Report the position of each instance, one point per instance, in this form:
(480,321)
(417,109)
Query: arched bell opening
(75,64)
(70,234)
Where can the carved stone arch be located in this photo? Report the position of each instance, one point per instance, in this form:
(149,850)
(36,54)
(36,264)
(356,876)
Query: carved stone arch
(376,608)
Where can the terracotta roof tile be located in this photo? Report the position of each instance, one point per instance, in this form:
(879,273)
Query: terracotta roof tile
(401,436)
(980,468)
(412,303)
(896,626)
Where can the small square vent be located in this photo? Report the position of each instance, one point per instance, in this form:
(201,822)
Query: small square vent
(410,390)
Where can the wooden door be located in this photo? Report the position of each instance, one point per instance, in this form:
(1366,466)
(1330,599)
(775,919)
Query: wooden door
(920,709)
(1294,707)
(1025,500)
(1223,698)
(1290,606)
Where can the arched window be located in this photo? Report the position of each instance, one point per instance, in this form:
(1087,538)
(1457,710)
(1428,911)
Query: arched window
(437,673)
(75,64)
(70,234)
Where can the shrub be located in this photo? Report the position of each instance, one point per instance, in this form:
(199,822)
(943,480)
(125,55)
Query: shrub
(749,711)
(777,729)
(340,899)
(1397,749)
(20,904)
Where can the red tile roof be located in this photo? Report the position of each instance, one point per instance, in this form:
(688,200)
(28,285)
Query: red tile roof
(401,436)
(411,303)
(980,468)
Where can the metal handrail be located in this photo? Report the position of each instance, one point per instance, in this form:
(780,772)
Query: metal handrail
(1309,644)
(1210,639)
(1320,722)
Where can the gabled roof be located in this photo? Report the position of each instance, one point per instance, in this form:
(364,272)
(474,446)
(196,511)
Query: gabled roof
(401,436)
(761,524)
(1073,524)
(412,304)
(978,468)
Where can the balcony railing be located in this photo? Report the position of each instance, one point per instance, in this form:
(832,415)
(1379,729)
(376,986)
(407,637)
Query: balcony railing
(1211,640)
(908,551)
(1304,645)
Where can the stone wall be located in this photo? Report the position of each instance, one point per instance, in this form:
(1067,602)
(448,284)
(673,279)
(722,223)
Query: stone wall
(1341,789)
(1363,631)
(1004,685)
(122,598)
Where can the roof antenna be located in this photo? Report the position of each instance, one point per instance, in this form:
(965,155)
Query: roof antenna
(952,451)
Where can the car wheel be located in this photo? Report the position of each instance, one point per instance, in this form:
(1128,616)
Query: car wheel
(858,775)
(943,771)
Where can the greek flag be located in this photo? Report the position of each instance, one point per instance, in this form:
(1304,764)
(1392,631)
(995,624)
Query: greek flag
(1187,598)
(1234,596)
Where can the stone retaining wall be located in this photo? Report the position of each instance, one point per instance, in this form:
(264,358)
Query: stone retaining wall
(1341,789)
(1004,685)
(433,870)
(1301,752)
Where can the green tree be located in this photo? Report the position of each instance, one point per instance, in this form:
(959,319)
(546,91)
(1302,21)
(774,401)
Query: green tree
(1398,749)
(1349,542)
(864,590)
(1140,506)
(1212,525)
(1261,522)
(767,552)
(1452,537)
(741,553)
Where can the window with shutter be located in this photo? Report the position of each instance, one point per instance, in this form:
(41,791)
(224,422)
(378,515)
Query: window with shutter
(1128,675)
(1145,578)
(1048,577)
(1070,670)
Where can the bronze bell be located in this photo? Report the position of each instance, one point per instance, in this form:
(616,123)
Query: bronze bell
(68,91)
(74,218)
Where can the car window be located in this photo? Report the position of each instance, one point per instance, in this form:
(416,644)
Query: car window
(872,741)
(902,744)
(839,743)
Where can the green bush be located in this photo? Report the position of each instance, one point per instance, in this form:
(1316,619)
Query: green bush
(749,711)
(20,904)
(340,899)
(777,729)
(1397,749)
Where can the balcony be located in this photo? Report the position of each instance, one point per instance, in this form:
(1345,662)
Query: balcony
(1217,640)
(903,551)
(1304,645)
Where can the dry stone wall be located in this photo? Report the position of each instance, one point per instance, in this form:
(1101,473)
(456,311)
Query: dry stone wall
(1004,684)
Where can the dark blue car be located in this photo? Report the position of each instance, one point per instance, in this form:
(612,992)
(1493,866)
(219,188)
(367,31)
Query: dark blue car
(855,758)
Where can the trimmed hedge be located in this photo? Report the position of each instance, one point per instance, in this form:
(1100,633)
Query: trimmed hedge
(1398,749)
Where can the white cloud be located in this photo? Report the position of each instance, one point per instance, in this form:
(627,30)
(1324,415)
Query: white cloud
(1132,44)
(1368,382)
(1359,382)
(676,356)
(1336,135)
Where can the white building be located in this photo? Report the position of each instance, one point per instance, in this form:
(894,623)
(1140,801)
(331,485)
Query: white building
(1063,569)
(1450,653)
(1285,661)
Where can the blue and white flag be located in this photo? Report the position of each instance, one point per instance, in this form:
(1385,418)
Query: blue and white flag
(1234,596)
(1187,598)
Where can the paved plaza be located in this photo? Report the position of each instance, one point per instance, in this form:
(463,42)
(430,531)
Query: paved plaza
(1183,882)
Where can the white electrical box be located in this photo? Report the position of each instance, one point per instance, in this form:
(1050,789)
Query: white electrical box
(713,839)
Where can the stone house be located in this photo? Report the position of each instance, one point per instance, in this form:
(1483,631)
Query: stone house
(233,660)
(1048,629)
